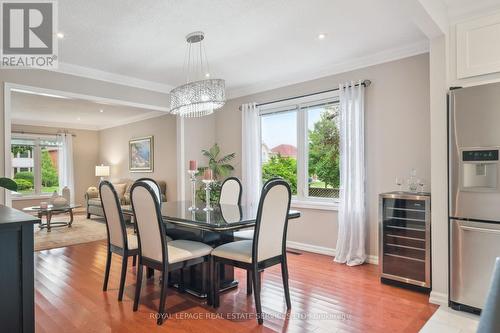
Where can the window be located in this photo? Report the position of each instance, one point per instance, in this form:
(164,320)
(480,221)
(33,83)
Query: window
(35,166)
(300,143)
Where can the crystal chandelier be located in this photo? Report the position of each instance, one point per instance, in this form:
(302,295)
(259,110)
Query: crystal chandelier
(200,95)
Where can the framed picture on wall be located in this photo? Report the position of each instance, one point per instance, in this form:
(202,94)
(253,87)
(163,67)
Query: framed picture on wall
(141,154)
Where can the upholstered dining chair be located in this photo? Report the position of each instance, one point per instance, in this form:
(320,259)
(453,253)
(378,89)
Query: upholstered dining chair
(154,250)
(230,191)
(119,242)
(268,247)
(154,185)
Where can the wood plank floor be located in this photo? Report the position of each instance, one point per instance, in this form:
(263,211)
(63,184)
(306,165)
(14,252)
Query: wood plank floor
(326,297)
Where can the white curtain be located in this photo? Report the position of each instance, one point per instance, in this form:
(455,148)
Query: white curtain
(66,169)
(250,154)
(350,247)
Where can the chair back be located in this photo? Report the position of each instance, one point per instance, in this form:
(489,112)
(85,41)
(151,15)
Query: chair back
(488,322)
(153,184)
(150,228)
(272,220)
(115,224)
(230,192)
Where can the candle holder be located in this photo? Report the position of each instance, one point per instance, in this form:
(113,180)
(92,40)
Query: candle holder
(207,183)
(192,174)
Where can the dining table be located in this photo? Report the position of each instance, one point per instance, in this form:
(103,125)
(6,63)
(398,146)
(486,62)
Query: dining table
(213,227)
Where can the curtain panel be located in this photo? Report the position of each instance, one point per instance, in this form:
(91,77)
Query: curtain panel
(351,239)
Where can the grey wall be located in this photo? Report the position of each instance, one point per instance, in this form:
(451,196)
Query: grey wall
(397,137)
(113,150)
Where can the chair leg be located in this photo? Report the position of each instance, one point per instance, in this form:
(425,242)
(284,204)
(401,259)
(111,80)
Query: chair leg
(163,295)
(138,285)
(210,299)
(216,285)
(284,275)
(249,282)
(150,273)
(256,293)
(182,288)
(134,260)
(123,276)
(106,273)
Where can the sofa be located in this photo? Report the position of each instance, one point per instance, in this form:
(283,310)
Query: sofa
(122,188)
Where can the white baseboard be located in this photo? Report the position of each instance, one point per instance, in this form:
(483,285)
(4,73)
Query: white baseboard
(371,259)
(438,298)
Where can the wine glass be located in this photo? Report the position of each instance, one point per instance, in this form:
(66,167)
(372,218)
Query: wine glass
(399,182)
(421,183)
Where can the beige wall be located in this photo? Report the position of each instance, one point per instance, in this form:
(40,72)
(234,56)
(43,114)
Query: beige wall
(397,137)
(85,156)
(114,151)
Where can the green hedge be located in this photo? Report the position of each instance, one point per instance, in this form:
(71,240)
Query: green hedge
(23,184)
(26,175)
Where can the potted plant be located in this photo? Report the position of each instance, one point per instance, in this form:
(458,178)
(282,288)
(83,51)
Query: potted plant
(8,184)
(220,169)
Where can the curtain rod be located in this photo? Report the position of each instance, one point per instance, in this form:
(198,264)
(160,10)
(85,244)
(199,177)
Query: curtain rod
(365,83)
(33,133)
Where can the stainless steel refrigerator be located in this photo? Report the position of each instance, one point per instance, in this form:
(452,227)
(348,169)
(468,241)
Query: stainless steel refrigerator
(474,192)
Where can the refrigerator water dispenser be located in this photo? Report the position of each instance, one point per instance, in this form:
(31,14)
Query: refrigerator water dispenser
(479,170)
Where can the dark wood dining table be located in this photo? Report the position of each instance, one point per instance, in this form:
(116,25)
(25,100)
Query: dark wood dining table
(214,227)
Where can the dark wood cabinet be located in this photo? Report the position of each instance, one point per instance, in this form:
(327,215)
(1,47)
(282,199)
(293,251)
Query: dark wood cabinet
(17,298)
(405,244)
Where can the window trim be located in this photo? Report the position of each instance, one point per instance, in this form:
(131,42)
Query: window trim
(37,167)
(300,106)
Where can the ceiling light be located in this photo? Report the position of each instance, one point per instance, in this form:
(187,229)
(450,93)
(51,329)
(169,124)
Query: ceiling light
(78,119)
(60,35)
(200,95)
(101,110)
(321,36)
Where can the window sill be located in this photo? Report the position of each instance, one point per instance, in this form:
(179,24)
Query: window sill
(30,197)
(319,205)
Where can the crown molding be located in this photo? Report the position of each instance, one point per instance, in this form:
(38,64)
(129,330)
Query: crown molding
(124,80)
(88,127)
(336,68)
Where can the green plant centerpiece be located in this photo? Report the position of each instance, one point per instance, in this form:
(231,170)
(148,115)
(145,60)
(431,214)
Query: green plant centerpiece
(220,169)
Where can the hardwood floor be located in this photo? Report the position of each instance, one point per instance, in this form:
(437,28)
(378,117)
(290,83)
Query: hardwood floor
(326,297)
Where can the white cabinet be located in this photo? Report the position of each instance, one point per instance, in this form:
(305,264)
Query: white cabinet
(478,46)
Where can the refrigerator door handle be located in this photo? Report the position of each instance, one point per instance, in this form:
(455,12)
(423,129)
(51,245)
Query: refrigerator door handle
(486,230)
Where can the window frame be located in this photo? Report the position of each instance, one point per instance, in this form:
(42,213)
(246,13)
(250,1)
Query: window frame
(37,165)
(300,106)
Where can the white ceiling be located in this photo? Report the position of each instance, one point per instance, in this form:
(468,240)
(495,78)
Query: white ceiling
(459,9)
(253,44)
(31,109)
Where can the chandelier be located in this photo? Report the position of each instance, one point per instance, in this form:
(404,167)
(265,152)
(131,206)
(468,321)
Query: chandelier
(200,95)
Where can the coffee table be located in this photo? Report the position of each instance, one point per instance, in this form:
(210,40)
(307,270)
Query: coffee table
(49,212)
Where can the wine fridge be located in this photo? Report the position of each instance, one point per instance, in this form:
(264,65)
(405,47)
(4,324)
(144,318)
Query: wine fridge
(405,245)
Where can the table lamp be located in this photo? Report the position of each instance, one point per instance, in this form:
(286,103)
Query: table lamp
(102,171)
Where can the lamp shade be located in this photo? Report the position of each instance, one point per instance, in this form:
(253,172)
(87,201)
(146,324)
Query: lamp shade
(102,170)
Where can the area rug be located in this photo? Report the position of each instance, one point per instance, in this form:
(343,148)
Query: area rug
(82,230)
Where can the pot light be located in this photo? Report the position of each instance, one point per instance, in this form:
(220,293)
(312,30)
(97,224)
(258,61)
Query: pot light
(207,75)
(78,118)
(321,36)
(60,35)
(101,110)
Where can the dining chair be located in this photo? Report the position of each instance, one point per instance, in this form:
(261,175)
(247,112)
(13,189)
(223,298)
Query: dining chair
(154,250)
(119,242)
(230,192)
(154,185)
(268,247)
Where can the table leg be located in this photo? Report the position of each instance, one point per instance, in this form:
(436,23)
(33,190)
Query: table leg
(49,217)
(70,218)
